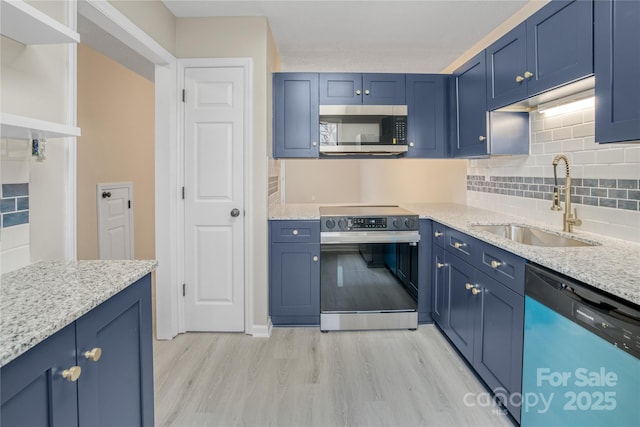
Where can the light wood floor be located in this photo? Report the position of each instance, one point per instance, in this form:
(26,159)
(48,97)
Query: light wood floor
(302,377)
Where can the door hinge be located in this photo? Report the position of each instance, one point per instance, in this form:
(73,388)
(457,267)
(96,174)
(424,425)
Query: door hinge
(184,95)
(129,203)
(184,289)
(182,193)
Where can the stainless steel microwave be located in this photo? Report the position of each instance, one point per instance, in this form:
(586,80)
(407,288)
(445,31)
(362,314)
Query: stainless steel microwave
(363,129)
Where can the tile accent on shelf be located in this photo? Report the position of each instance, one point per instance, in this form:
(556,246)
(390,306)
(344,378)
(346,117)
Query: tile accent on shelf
(273,184)
(612,193)
(14,205)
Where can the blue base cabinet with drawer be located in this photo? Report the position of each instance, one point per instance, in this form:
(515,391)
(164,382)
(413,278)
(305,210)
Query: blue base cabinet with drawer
(478,302)
(294,273)
(616,63)
(115,389)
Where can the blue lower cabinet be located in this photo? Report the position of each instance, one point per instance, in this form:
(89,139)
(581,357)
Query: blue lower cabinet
(117,389)
(114,390)
(34,393)
(421,268)
(440,289)
(294,273)
(498,340)
(462,306)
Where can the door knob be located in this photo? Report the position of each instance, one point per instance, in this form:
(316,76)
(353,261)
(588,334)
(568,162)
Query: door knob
(106,194)
(235,212)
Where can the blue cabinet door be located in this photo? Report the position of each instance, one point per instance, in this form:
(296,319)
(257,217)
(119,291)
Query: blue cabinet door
(423,267)
(617,64)
(117,390)
(497,354)
(559,44)
(356,89)
(34,393)
(383,89)
(427,126)
(440,289)
(471,108)
(462,307)
(340,88)
(294,285)
(296,118)
(506,64)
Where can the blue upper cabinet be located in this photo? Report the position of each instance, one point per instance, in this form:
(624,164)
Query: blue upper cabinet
(617,64)
(427,124)
(296,116)
(506,60)
(356,88)
(551,48)
(471,109)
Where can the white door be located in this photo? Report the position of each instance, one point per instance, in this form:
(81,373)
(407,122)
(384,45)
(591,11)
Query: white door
(115,221)
(214,200)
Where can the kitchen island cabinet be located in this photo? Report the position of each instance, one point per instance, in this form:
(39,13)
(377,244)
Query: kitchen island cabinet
(616,63)
(97,371)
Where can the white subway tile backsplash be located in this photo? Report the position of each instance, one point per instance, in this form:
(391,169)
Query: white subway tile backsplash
(553,122)
(562,133)
(586,129)
(574,118)
(615,155)
(544,136)
(572,145)
(632,154)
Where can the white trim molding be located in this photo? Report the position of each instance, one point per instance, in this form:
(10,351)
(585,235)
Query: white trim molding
(263,331)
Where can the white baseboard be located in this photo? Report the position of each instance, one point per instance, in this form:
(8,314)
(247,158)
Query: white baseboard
(263,331)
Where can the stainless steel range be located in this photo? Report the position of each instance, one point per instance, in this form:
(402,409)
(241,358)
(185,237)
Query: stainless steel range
(361,283)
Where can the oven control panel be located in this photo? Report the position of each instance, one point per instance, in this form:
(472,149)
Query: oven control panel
(347,223)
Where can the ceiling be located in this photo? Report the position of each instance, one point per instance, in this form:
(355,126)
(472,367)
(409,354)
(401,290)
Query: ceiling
(380,35)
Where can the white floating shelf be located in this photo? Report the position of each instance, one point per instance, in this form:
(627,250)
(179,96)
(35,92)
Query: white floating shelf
(27,25)
(20,127)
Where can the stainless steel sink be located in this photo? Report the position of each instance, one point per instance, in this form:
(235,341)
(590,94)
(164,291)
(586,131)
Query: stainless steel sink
(531,235)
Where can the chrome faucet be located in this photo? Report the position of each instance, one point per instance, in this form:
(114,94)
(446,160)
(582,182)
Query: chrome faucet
(568,219)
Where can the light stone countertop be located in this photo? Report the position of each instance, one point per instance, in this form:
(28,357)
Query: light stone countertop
(612,266)
(39,300)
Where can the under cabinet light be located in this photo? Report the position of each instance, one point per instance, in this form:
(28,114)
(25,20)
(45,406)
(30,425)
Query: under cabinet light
(555,108)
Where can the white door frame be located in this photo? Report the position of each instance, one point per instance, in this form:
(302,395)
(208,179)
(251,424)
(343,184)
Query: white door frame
(247,65)
(100,188)
(168,167)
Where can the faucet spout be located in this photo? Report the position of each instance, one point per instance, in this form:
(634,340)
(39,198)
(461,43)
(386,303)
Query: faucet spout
(569,219)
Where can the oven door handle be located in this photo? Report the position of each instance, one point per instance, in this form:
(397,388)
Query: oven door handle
(351,237)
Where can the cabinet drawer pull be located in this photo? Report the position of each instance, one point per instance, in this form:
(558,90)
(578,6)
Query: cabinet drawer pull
(358,92)
(94,354)
(440,265)
(315,258)
(314,143)
(468,286)
(437,234)
(482,138)
(459,245)
(475,291)
(519,79)
(295,232)
(495,264)
(72,374)
(366,92)
(528,74)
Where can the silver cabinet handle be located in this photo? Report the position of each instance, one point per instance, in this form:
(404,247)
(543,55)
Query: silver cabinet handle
(411,144)
(314,143)
(295,232)
(315,258)
(366,92)
(235,212)
(358,92)
(438,234)
(481,138)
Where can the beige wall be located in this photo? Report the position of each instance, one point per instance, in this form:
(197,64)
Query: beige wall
(116,110)
(153,17)
(375,180)
(235,37)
